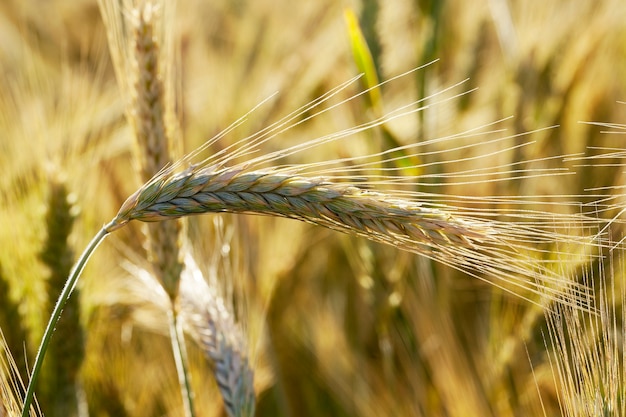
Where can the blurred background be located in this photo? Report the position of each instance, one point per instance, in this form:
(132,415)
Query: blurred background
(336,325)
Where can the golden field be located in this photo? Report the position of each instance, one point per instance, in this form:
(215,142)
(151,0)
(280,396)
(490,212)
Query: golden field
(334,324)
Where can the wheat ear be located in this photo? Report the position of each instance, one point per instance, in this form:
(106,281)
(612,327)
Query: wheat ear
(147,116)
(468,243)
(148,119)
(63,390)
(211,324)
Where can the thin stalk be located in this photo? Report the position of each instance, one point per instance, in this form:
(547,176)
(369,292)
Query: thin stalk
(182,364)
(56,314)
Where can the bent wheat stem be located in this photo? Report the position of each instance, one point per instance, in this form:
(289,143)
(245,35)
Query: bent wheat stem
(56,314)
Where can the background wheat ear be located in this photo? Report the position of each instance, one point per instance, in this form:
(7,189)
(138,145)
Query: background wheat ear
(61,388)
(151,117)
(211,322)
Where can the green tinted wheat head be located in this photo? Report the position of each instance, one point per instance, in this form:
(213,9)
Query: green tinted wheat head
(63,389)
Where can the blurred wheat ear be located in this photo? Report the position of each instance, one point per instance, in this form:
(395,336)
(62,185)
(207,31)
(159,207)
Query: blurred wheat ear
(211,323)
(149,115)
(63,394)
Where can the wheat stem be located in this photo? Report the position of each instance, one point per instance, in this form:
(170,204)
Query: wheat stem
(182,363)
(56,314)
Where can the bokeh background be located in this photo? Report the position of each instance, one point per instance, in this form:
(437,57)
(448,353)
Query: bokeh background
(337,326)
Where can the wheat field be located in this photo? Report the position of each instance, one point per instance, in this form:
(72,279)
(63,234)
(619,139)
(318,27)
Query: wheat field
(440,236)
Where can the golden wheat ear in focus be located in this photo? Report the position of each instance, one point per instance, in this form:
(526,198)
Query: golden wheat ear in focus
(523,251)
